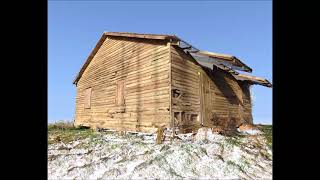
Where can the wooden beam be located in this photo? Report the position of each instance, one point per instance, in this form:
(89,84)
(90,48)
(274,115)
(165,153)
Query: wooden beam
(145,36)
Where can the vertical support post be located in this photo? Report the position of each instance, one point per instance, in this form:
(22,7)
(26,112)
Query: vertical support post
(170,89)
(201,97)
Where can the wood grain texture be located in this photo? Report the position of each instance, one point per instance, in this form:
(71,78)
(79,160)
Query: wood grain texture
(130,86)
(138,84)
(212,97)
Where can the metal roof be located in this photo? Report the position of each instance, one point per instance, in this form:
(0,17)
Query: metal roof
(227,60)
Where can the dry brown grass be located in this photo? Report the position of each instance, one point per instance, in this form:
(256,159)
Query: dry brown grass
(67,132)
(62,125)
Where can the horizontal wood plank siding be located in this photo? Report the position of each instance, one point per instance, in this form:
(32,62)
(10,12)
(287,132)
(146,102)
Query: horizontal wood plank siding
(139,84)
(141,66)
(185,79)
(226,101)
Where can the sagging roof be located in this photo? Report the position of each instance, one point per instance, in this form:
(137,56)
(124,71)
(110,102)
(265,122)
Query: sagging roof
(210,62)
(223,61)
(252,79)
(204,62)
(228,60)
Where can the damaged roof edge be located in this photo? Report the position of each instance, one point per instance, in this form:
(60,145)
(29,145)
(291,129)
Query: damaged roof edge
(228,58)
(223,57)
(249,69)
(235,74)
(253,79)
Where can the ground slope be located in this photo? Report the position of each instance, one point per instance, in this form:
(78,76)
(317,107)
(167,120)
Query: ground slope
(107,155)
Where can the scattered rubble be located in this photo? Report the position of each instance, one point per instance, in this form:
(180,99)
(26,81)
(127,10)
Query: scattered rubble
(249,129)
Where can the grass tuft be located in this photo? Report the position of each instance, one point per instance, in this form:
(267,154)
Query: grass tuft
(61,125)
(234,141)
(66,132)
(267,132)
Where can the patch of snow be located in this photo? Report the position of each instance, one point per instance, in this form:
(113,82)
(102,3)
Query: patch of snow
(185,137)
(250,131)
(138,157)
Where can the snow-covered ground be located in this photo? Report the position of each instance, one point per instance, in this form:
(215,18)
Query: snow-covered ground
(136,156)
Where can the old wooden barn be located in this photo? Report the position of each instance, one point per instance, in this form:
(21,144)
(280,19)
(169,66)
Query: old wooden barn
(137,82)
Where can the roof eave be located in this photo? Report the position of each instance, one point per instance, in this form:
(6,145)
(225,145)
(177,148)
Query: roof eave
(143,36)
(90,57)
(253,80)
(229,59)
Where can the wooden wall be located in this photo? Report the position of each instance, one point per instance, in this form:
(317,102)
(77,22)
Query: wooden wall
(230,104)
(213,97)
(127,87)
(129,81)
(185,76)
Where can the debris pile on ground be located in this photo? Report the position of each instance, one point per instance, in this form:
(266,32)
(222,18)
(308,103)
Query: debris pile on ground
(249,129)
(205,155)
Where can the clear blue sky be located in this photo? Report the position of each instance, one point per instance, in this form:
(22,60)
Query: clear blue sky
(240,28)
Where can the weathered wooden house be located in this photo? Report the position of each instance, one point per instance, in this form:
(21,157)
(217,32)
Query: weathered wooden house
(136,82)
